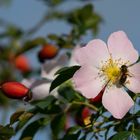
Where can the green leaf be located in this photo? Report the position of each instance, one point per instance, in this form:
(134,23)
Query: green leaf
(6,131)
(58,124)
(66,70)
(43,104)
(47,106)
(71,136)
(52,109)
(27,138)
(23,119)
(64,74)
(13,31)
(67,92)
(74,129)
(136,134)
(124,135)
(53,37)
(138,60)
(25,116)
(84,19)
(33,127)
(83,138)
(15,117)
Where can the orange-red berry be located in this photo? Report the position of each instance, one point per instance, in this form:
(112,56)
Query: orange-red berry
(15,90)
(22,63)
(82,116)
(48,51)
(85,112)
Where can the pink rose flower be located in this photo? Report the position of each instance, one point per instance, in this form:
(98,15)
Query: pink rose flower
(111,67)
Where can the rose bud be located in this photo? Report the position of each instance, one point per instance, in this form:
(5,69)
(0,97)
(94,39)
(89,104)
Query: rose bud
(22,63)
(16,90)
(48,51)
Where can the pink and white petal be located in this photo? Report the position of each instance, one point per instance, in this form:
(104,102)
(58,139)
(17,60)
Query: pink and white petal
(40,89)
(133,84)
(133,81)
(135,70)
(93,53)
(51,75)
(72,61)
(121,47)
(87,81)
(28,82)
(117,102)
(49,68)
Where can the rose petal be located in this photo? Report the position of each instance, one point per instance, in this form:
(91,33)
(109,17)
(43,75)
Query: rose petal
(51,75)
(135,70)
(133,79)
(28,82)
(93,53)
(133,84)
(87,81)
(117,101)
(72,61)
(121,47)
(40,89)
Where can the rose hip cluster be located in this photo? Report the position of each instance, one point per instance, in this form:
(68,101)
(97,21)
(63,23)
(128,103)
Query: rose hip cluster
(17,90)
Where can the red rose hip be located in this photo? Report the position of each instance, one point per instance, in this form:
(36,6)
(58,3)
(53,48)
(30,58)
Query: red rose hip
(16,90)
(48,51)
(22,63)
(83,117)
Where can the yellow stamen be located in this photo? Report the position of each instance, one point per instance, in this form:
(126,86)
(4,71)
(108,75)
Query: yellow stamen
(111,71)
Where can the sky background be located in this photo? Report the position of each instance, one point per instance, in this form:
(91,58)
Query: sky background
(117,15)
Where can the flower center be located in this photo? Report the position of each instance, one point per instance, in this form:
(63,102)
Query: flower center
(111,72)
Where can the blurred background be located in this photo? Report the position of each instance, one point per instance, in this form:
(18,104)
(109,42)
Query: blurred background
(117,15)
(28,16)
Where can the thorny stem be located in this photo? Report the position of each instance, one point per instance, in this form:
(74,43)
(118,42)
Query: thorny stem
(106,127)
(86,104)
(99,126)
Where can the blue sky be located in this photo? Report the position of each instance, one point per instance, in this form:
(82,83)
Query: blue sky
(117,14)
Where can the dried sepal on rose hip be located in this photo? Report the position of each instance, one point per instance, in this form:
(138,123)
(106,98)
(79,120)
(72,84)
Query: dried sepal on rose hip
(16,90)
(47,51)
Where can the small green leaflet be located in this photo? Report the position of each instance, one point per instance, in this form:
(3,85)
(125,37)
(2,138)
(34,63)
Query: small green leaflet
(64,74)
